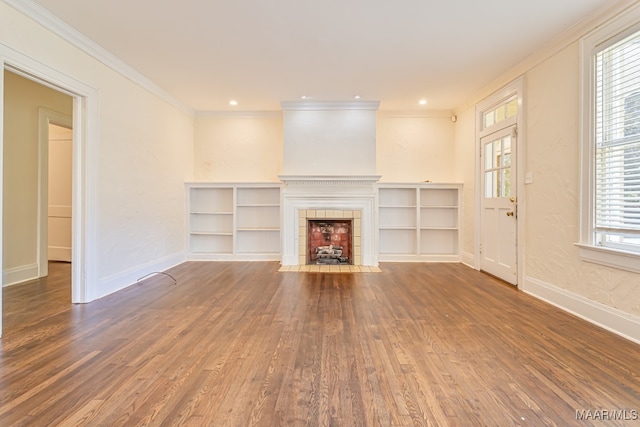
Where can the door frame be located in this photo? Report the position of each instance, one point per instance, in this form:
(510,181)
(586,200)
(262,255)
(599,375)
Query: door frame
(45,118)
(515,88)
(85,166)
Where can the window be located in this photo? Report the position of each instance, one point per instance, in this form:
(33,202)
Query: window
(497,167)
(611,146)
(617,145)
(505,110)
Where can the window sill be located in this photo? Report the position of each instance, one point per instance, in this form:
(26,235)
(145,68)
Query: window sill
(615,258)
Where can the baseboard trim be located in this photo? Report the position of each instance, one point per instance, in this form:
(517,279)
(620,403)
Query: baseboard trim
(233,257)
(468,259)
(609,318)
(16,275)
(57,253)
(116,282)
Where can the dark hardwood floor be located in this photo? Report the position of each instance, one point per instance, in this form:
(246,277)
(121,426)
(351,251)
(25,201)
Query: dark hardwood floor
(238,344)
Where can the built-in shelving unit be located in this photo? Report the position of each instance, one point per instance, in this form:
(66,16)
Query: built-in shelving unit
(242,221)
(234,221)
(419,222)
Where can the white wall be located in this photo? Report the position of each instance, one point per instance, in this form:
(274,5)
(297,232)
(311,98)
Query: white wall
(465,171)
(238,147)
(22,99)
(553,155)
(145,151)
(249,147)
(329,142)
(415,149)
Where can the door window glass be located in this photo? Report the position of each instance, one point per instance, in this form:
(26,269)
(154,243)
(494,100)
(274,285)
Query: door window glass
(498,167)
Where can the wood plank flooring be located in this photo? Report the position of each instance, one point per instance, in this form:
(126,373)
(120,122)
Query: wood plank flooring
(239,344)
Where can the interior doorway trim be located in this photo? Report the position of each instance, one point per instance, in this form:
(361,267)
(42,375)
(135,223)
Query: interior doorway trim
(85,165)
(515,88)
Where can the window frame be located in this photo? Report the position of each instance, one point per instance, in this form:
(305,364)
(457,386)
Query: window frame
(601,38)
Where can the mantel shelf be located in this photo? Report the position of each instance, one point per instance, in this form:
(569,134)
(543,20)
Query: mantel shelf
(329,179)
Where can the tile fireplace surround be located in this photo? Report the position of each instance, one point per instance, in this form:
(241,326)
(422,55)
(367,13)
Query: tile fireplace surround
(352,197)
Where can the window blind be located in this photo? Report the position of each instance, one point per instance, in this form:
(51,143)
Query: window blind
(617,138)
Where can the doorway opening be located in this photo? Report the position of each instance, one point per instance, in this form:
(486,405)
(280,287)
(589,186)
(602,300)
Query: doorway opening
(37,178)
(55,188)
(84,108)
(59,194)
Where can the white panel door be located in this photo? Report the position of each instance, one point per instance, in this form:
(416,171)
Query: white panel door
(60,184)
(498,250)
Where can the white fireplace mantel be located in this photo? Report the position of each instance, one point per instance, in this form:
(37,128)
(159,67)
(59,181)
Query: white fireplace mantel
(329,180)
(331,192)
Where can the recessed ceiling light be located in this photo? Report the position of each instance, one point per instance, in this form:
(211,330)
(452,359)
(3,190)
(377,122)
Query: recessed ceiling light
(233,102)
(357,97)
(422,102)
(304,97)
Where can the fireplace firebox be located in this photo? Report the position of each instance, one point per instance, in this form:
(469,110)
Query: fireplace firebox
(330,241)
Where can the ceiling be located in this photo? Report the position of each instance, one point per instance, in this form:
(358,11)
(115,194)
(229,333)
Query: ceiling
(208,52)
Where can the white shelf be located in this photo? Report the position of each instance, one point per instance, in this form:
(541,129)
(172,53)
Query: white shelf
(435,197)
(397,197)
(439,242)
(258,216)
(210,213)
(419,222)
(234,221)
(210,233)
(438,217)
(397,241)
(211,244)
(211,200)
(258,196)
(211,223)
(396,228)
(258,242)
(397,217)
(438,228)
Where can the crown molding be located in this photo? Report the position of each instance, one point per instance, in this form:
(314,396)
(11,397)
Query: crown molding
(54,24)
(329,105)
(565,39)
(240,114)
(415,114)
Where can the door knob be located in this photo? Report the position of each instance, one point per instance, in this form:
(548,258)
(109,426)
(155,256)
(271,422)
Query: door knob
(512,199)
(509,213)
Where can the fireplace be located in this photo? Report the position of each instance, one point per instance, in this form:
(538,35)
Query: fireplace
(325,198)
(329,166)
